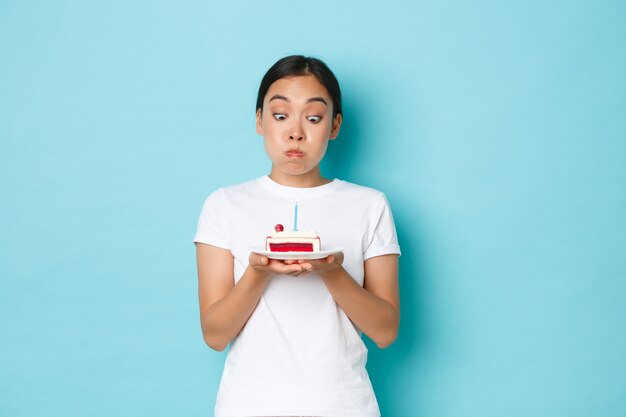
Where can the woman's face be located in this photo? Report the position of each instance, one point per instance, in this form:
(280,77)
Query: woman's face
(296,124)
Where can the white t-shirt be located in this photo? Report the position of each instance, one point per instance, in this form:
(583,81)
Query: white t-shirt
(299,353)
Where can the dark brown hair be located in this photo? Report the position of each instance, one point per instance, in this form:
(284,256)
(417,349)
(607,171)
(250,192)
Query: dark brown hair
(295,65)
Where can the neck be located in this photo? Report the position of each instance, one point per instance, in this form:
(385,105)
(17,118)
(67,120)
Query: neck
(310,179)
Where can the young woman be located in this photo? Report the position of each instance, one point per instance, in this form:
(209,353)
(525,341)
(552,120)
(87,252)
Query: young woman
(294,327)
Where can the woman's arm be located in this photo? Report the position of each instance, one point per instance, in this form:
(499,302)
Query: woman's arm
(373,308)
(224,306)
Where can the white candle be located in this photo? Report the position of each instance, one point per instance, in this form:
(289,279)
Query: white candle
(295,217)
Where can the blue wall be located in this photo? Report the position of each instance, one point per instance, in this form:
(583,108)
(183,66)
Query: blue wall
(497,130)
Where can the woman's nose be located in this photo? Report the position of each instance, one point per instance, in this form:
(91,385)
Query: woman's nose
(296,132)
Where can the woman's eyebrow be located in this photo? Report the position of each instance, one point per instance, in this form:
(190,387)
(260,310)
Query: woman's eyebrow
(311,100)
(279,97)
(320,99)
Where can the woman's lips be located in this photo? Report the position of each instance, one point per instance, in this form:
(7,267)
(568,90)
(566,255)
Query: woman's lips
(294,153)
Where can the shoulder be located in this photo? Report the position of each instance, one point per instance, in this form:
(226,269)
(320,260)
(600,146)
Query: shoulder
(235,190)
(360,191)
(221,198)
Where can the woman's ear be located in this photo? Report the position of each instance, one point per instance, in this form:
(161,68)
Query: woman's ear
(334,131)
(259,124)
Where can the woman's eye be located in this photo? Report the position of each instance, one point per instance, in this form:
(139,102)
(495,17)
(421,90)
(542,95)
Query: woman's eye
(314,119)
(279,116)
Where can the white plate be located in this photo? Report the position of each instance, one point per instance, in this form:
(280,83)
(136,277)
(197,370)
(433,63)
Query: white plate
(296,255)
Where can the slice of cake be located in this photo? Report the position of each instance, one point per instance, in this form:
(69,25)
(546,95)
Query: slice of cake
(292,241)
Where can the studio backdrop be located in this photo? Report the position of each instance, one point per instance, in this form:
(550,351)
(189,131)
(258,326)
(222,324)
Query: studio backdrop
(497,131)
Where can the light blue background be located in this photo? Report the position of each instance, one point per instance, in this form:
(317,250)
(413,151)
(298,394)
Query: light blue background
(497,130)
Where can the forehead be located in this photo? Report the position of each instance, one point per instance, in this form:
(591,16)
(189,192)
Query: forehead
(297,88)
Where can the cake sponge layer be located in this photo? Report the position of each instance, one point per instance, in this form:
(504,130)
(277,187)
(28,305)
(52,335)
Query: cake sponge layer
(293,241)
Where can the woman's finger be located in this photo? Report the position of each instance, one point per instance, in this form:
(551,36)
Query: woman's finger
(258,260)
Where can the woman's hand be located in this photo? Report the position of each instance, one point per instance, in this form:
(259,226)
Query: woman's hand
(322,266)
(268,266)
(296,267)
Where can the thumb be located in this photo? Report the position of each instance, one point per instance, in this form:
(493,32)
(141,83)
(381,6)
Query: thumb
(256,259)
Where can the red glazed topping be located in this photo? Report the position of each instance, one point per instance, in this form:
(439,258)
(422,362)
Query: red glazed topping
(279,228)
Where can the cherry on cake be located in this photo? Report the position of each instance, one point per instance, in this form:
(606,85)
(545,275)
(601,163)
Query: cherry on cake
(292,241)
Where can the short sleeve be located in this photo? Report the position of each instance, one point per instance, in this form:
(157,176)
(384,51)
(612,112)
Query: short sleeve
(382,238)
(212,224)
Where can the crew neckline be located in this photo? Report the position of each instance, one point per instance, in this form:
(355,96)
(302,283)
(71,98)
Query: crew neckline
(298,192)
